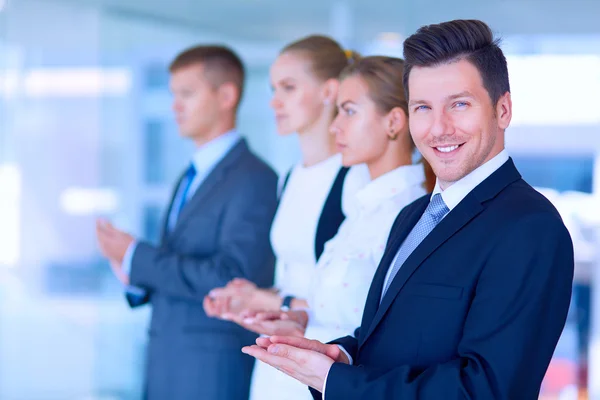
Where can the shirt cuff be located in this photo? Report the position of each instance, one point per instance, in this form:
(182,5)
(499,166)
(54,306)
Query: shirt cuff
(128,258)
(350,361)
(135,290)
(325,383)
(126,267)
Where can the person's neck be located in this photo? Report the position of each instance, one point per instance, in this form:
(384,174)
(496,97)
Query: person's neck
(316,145)
(445,185)
(216,131)
(383,165)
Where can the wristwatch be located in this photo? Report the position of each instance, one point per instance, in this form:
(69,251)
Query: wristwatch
(286,305)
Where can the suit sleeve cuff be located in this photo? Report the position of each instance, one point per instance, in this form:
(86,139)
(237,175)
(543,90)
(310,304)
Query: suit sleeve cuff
(326,376)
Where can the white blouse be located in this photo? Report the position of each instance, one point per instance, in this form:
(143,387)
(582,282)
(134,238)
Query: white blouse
(293,235)
(294,228)
(344,272)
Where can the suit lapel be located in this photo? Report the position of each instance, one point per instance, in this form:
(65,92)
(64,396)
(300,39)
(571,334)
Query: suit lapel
(165,222)
(465,211)
(210,183)
(451,224)
(402,227)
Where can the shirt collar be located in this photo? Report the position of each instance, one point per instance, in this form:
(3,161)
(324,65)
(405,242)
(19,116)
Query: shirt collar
(459,190)
(391,184)
(209,154)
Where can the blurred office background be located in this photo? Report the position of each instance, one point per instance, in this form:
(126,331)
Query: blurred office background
(86,131)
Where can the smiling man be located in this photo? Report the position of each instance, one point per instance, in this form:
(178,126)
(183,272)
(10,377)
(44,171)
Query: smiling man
(472,292)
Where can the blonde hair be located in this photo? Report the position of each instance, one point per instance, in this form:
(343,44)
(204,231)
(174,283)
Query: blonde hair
(326,56)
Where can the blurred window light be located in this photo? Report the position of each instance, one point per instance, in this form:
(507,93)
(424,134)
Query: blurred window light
(9,82)
(85,201)
(555,89)
(385,44)
(67,82)
(10,229)
(557,171)
(76,82)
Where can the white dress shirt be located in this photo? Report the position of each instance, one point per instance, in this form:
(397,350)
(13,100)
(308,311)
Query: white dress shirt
(205,159)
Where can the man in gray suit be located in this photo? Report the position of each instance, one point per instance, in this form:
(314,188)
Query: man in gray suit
(216,229)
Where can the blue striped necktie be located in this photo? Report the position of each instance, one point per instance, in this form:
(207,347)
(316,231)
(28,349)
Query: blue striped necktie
(435,211)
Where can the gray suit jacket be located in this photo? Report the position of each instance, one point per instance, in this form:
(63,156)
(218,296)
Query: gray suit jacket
(222,233)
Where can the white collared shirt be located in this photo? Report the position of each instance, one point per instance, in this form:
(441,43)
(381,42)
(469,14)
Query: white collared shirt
(459,190)
(205,159)
(207,156)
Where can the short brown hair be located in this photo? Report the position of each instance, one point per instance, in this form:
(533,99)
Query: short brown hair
(326,56)
(222,65)
(471,40)
(384,77)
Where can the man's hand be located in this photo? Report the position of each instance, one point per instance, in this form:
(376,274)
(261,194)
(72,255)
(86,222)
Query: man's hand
(113,244)
(307,361)
(330,350)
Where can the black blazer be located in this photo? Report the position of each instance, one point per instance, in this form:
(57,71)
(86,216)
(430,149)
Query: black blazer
(332,214)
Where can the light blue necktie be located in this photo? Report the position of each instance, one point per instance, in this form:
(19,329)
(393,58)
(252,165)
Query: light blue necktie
(435,211)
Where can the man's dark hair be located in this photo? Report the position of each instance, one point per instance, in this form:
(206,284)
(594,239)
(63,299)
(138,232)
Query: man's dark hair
(221,64)
(452,41)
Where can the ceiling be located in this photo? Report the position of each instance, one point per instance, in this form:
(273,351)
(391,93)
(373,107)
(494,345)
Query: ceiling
(283,20)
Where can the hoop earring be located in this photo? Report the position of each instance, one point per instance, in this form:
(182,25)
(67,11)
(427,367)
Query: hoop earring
(393,135)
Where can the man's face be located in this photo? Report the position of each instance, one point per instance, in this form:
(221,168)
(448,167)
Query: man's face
(452,120)
(195,102)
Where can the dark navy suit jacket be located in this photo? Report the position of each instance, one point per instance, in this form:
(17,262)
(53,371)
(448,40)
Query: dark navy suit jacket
(475,312)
